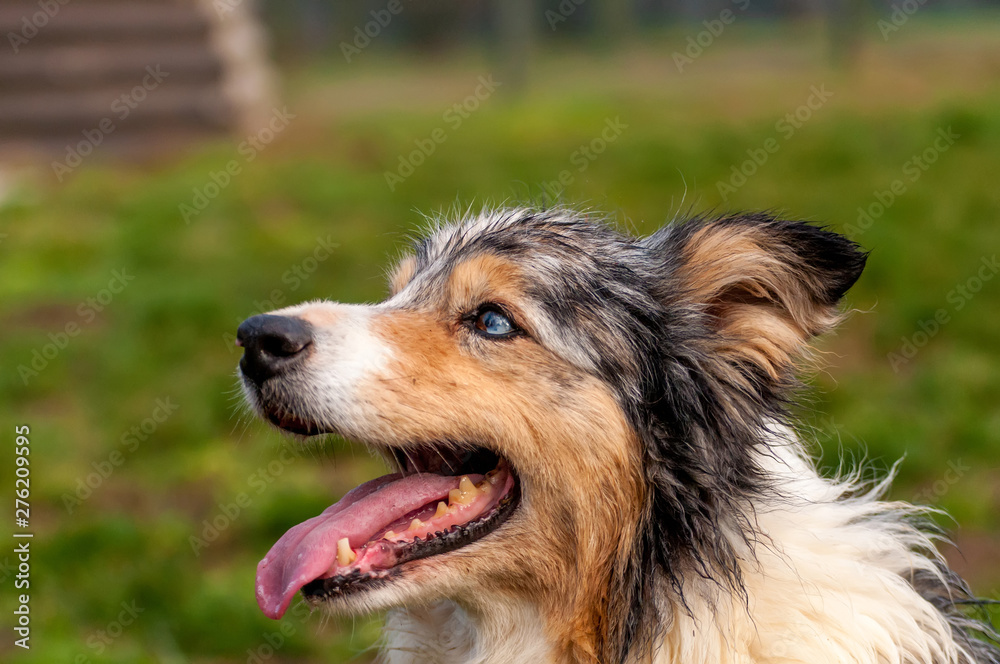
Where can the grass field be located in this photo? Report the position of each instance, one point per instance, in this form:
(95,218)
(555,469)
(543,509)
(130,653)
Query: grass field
(153,499)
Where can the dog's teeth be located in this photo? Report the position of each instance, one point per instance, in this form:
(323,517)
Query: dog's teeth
(465,493)
(416,524)
(345,555)
(388,534)
(484,486)
(442,509)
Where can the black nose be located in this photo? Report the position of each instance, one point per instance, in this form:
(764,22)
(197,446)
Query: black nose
(272,345)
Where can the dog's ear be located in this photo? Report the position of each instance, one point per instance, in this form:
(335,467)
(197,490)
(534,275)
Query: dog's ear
(763,286)
(743,296)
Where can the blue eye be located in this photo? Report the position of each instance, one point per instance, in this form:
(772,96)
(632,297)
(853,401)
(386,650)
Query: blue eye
(494,324)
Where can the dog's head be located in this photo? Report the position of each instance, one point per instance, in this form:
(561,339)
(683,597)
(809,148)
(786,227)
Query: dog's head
(573,414)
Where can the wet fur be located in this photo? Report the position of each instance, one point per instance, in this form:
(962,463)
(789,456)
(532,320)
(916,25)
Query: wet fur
(670,513)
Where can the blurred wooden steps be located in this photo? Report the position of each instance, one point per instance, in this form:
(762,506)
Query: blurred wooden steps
(155,71)
(86,66)
(105,20)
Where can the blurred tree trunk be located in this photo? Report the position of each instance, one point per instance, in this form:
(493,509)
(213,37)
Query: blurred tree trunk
(845,20)
(689,10)
(516,34)
(614,21)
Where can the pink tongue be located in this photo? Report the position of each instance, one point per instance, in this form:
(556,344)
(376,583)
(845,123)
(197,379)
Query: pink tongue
(309,549)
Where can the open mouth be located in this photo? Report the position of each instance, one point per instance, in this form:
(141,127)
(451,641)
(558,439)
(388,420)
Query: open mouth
(443,498)
(291,422)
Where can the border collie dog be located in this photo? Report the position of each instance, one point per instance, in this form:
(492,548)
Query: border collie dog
(592,455)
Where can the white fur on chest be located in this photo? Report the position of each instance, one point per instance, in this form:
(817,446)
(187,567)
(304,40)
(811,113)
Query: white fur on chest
(445,633)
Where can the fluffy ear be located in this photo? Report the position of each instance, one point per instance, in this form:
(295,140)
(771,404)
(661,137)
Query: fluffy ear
(765,286)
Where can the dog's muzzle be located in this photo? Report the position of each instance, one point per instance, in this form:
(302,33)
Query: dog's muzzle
(272,345)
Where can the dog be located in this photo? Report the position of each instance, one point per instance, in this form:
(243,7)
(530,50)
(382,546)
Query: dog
(593,455)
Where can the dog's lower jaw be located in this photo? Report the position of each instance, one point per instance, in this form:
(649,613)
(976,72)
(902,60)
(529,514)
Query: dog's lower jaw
(561,623)
(558,614)
(510,632)
(829,582)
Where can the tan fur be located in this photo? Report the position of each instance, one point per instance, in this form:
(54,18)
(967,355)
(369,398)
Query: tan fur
(402,274)
(577,513)
(319,316)
(762,305)
(484,278)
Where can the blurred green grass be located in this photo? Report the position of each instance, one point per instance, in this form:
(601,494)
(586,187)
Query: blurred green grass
(168,334)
